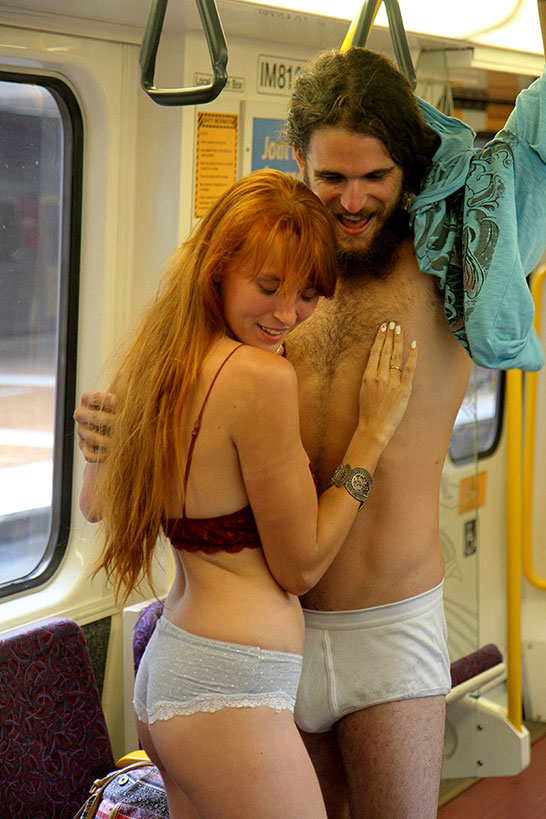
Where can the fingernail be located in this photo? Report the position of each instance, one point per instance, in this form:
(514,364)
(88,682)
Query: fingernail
(391,325)
(398,329)
(413,345)
(383,327)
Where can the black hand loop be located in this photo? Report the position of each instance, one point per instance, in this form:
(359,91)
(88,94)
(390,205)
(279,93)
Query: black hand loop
(216,42)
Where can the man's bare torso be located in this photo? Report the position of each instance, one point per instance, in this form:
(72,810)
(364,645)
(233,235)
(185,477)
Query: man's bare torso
(393,550)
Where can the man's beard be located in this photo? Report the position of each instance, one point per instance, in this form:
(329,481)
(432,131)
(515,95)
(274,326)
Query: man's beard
(377,260)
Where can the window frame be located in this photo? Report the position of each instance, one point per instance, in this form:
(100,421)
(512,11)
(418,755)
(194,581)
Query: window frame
(67,328)
(463,460)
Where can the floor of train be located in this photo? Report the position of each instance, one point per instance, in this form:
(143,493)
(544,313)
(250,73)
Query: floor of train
(508,797)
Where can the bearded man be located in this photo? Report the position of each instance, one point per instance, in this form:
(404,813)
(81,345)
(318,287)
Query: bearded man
(425,229)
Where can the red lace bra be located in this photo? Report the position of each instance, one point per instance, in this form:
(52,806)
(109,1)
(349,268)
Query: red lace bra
(225,533)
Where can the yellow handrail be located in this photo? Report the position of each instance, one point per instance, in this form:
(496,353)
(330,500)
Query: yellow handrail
(362,24)
(345,46)
(514,395)
(519,510)
(531,383)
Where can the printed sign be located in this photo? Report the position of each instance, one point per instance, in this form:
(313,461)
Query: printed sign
(268,151)
(277,75)
(232,84)
(216,158)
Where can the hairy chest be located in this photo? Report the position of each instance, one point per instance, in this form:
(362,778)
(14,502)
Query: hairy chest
(330,353)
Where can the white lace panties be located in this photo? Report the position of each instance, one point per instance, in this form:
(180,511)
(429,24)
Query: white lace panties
(181,674)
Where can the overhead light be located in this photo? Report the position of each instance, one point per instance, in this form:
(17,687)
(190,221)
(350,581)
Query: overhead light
(515,62)
(510,24)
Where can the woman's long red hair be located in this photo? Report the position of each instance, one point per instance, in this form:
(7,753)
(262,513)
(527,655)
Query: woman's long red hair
(266,211)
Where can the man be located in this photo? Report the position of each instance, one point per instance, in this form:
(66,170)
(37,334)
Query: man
(375,678)
(375,663)
(376,671)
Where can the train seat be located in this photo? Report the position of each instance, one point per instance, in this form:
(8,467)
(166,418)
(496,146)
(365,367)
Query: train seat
(53,737)
(471,670)
(143,629)
(480,741)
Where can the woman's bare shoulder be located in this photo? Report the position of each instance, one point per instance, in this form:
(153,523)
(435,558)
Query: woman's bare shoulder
(260,382)
(262,367)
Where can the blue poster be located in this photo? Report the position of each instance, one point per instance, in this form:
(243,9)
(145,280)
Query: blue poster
(267,149)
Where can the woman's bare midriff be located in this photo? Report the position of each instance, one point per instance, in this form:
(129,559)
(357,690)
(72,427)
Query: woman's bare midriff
(234,597)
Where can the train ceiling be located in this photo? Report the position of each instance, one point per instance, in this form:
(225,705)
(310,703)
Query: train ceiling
(489,25)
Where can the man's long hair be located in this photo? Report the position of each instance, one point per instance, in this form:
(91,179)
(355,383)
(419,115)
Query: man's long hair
(364,92)
(265,212)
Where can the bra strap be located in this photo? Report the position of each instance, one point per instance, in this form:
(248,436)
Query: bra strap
(197,425)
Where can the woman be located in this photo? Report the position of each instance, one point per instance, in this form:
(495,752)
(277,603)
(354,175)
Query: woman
(206,448)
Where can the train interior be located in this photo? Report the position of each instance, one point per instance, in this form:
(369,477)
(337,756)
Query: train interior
(100,184)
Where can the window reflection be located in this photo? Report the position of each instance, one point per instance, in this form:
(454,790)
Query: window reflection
(478,423)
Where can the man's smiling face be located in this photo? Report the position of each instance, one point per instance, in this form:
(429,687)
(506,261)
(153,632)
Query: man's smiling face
(356,179)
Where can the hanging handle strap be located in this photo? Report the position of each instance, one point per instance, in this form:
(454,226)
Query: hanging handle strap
(363,23)
(216,42)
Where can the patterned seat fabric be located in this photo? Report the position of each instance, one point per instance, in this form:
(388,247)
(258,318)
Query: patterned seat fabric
(53,737)
(144,629)
(473,664)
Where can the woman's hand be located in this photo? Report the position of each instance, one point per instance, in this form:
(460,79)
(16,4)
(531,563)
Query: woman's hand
(95,417)
(386,384)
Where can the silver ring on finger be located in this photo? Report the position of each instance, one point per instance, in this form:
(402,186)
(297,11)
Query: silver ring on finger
(395,367)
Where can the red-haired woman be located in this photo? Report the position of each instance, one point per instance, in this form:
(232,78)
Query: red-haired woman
(206,449)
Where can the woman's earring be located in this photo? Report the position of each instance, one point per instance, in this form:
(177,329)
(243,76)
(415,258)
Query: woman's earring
(216,284)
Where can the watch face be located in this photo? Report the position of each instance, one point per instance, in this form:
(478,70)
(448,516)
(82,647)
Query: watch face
(360,482)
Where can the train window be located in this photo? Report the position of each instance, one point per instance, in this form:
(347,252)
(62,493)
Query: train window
(479,420)
(40,204)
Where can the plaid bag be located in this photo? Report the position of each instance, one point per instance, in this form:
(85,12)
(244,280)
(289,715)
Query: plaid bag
(134,792)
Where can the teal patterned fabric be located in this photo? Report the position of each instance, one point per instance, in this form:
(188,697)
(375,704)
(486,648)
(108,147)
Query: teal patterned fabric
(479,226)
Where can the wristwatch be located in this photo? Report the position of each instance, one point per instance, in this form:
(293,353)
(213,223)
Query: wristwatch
(357,481)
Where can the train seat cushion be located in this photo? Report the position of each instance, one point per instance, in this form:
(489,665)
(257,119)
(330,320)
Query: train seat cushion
(53,737)
(144,628)
(473,664)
